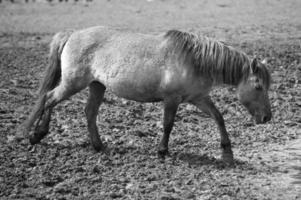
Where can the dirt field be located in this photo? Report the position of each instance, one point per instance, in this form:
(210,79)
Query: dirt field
(64,166)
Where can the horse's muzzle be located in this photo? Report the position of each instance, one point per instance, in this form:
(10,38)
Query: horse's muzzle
(263,119)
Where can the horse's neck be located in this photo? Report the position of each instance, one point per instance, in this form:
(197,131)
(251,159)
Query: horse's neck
(224,65)
(229,75)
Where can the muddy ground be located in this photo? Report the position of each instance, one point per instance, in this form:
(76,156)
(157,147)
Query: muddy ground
(64,165)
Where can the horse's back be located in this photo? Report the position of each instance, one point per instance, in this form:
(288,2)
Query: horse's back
(91,38)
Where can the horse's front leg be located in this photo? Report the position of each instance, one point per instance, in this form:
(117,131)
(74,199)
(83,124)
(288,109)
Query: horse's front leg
(207,106)
(170,110)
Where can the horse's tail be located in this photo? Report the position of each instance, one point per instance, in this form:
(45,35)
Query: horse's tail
(51,78)
(53,72)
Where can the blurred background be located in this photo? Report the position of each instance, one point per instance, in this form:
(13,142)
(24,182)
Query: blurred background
(221,18)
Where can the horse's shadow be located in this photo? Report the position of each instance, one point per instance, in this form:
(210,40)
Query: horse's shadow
(192,159)
(201,160)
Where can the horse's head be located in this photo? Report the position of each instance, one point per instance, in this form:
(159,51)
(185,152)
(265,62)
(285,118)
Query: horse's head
(253,92)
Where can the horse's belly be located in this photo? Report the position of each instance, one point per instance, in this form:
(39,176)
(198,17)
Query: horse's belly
(137,84)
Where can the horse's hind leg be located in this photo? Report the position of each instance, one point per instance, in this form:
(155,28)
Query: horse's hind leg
(95,99)
(207,106)
(34,115)
(42,127)
(170,110)
(52,98)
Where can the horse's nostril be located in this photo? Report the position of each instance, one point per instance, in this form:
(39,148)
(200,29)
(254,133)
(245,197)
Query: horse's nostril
(265,119)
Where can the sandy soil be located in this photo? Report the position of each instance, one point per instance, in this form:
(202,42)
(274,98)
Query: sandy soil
(64,166)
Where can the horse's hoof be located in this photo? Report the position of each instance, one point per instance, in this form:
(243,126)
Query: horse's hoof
(162,153)
(34,140)
(37,136)
(228,158)
(99,147)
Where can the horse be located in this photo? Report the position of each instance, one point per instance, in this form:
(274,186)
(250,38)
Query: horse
(173,67)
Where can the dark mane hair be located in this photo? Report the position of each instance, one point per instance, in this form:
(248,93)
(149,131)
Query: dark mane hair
(222,63)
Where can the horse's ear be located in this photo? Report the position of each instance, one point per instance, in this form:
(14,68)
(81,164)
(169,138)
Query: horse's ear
(265,61)
(254,66)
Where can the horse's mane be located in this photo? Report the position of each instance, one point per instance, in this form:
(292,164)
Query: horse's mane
(222,63)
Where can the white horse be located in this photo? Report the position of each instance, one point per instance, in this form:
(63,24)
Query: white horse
(173,67)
